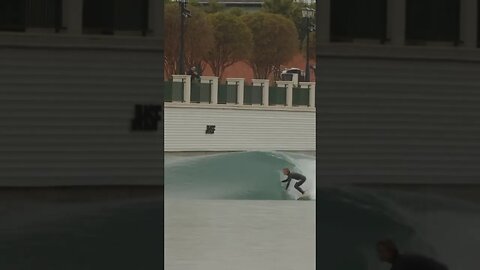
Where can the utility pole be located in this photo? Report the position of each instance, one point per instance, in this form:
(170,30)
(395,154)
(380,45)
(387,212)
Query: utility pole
(308,14)
(184,13)
(307,68)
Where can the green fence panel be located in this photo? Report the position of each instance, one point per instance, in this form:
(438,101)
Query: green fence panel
(253,95)
(173,91)
(300,96)
(227,93)
(277,95)
(200,92)
(205,92)
(257,95)
(177,91)
(232,93)
(247,95)
(167,91)
(195,92)
(222,94)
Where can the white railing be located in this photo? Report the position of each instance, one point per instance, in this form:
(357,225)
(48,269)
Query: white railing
(240,83)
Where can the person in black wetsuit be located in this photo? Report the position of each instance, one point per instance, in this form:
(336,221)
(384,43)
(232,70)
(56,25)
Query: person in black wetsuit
(291,175)
(388,252)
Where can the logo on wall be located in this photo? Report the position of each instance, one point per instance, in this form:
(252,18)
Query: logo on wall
(210,129)
(146,117)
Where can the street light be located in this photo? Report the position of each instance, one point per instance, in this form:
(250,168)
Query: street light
(184,13)
(308,13)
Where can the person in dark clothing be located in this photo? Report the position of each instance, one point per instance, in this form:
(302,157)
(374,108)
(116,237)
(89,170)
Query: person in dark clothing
(291,175)
(388,252)
(194,74)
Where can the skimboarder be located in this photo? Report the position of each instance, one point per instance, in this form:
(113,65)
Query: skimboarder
(292,175)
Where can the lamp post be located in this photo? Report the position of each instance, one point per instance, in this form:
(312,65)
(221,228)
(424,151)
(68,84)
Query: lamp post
(308,13)
(184,13)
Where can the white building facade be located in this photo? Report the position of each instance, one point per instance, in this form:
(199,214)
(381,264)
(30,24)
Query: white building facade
(398,91)
(72,75)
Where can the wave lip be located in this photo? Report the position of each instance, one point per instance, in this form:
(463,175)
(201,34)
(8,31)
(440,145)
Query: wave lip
(241,175)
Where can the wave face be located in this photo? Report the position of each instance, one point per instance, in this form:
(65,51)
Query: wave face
(354,219)
(242,175)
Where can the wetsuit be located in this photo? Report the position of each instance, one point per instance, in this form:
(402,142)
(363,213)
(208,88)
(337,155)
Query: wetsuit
(301,179)
(416,262)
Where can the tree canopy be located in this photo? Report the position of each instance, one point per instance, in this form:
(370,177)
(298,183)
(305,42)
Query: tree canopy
(199,37)
(292,10)
(232,41)
(275,41)
(236,11)
(214,6)
(220,37)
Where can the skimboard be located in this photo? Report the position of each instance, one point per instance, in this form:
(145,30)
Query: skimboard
(293,193)
(303,197)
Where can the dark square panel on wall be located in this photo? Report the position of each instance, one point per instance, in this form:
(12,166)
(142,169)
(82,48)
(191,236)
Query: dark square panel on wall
(108,16)
(98,16)
(131,15)
(12,15)
(358,19)
(432,20)
(18,15)
(44,13)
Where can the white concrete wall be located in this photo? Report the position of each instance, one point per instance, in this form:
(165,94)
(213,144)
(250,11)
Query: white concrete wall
(238,128)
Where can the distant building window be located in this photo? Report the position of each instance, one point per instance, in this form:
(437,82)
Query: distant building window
(18,15)
(109,16)
(432,20)
(358,19)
